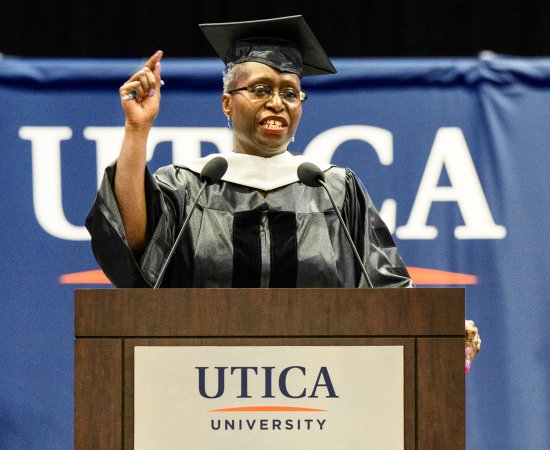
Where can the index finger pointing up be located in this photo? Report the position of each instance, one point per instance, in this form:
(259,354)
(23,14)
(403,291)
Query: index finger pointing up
(154,59)
(153,63)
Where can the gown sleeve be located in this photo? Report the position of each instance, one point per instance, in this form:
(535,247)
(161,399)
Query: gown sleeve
(109,245)
(372,238)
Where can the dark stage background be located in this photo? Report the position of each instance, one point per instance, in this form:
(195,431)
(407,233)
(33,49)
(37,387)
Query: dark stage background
(345,28)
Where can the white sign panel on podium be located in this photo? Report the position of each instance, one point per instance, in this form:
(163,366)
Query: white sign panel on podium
(277,397)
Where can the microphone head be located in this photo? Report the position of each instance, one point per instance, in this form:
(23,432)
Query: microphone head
(214,170)
(310,174)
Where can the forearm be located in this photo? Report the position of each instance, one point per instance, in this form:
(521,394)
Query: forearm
(130,187)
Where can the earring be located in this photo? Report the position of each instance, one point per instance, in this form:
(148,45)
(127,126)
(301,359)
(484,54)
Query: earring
(229,123)
(293,139)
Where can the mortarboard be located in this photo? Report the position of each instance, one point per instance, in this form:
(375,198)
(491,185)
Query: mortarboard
(285,43)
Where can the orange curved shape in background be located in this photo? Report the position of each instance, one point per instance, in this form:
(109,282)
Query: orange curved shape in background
(420,276)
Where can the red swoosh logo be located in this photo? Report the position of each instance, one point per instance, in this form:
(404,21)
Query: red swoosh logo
(420,276)
(267,409)
(88,277)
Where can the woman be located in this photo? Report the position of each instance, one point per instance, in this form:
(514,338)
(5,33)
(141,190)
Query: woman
(258,227)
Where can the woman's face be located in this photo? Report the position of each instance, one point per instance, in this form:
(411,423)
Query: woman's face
(263,127)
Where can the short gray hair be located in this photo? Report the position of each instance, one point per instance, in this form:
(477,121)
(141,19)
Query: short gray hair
(230,75)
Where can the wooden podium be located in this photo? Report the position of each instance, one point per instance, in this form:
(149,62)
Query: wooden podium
(428,323)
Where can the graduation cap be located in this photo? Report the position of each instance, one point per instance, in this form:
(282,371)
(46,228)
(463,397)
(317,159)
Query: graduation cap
(285,43)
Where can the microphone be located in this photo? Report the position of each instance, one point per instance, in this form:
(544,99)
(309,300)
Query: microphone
(211,173)
(213,170)
(311,175)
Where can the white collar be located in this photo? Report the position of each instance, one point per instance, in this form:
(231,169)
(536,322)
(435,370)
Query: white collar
(258,172)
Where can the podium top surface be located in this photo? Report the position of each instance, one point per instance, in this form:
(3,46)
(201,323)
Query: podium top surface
(269,312)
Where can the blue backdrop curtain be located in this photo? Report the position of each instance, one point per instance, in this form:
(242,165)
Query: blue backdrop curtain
(455,153)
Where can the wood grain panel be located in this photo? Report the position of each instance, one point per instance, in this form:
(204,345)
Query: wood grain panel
(441,394)
(269,312)
(98,394)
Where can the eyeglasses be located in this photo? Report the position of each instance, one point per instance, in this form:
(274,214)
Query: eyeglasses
(264,93)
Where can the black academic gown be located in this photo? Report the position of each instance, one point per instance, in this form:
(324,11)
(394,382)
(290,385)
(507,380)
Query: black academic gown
(238,238)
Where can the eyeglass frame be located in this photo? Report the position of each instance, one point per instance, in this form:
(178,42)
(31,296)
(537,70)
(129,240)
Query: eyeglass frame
(302,95)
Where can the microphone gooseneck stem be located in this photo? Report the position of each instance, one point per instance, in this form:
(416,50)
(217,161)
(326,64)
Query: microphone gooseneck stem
(178,239)
(340,218)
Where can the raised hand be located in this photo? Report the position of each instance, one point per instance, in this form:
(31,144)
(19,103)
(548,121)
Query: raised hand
(140,95)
